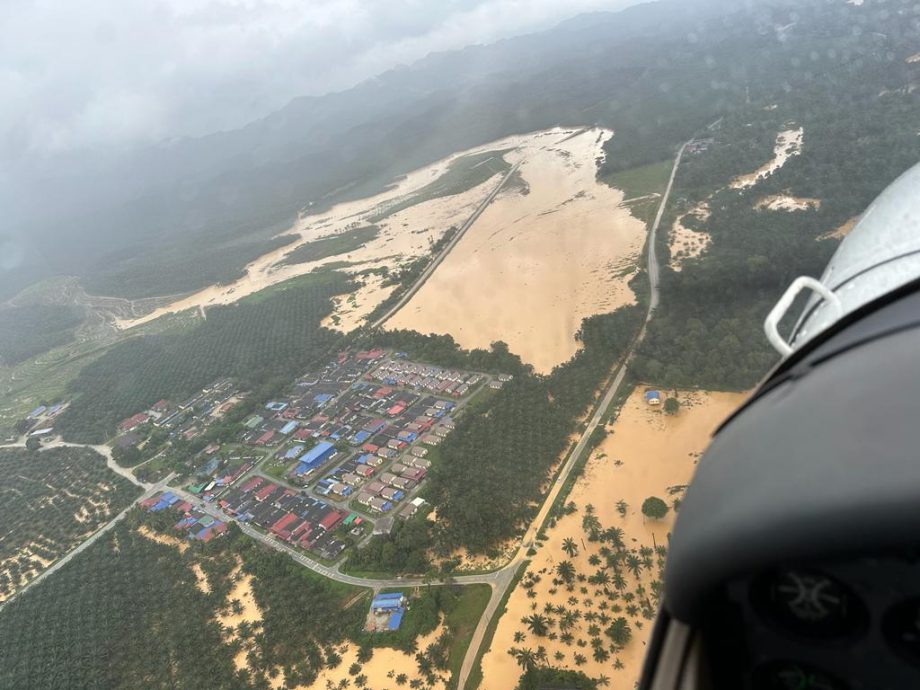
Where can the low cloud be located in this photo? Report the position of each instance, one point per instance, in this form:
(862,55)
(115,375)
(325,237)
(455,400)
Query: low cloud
(103,73)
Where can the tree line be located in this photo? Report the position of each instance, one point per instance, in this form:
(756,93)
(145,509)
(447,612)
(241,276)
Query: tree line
(263,342)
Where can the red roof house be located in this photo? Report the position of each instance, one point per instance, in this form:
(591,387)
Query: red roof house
(265,491)
(282,523)
(133,422)
(331,520)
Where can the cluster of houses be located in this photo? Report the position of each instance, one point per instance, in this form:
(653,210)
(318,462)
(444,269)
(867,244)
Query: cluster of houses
(425,377)
(187,419)
(194,523)
(291,516)
(358,429)
(302,414)
(347,440)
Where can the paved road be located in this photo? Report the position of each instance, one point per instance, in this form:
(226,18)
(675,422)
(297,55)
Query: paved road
(416,286)
(653,272)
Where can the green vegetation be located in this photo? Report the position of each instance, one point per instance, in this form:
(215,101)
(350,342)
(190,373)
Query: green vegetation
(461,618)
(461,175)
(323,248)
(654,508)
(404,550)
(303,613)
(444,351)
(541,677)
(502,456)
(499,454)
(458,607)
(178,267)
(29,331)
(641,181)
(49,502)
(263,343)
(672,406)
(708,330)
(110,617)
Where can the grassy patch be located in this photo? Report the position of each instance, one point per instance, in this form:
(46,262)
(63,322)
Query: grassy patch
(333,245)
(646,179)
(461,175)
(307,280)
(462,621)
(277,467)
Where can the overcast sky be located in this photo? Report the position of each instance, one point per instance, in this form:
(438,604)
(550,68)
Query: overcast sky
(114,72)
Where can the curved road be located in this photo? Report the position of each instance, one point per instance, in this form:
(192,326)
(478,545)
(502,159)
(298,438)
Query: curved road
(499,580)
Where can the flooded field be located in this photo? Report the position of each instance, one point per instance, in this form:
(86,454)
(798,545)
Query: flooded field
(648,454)
(536,263)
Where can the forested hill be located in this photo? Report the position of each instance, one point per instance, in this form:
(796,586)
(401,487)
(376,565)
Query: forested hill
(653,72)
(846,79)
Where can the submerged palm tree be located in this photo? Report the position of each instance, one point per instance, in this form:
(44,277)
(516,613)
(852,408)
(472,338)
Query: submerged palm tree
(619,631)
(537,624)
(566,571)
(570,547)
(525,657)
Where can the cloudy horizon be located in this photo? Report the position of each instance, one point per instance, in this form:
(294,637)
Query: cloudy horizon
(112,73)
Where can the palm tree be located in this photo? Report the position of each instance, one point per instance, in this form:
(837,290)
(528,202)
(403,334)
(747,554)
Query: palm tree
(619,631)
(622,507)
(567,620)
(603,681)
(566,571)
(619,581)
(614,535)
(570,547)
(633,564)
(525,658)
(601,577)
(540,655)
(594,559)
(518,637)
(537,624)
(590,524)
